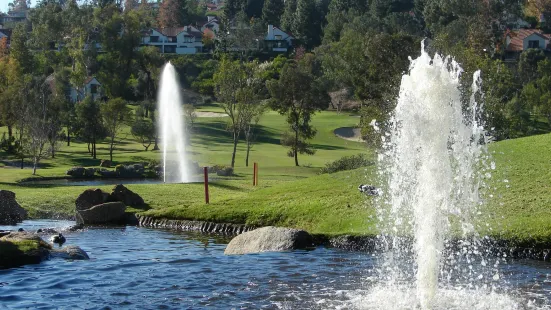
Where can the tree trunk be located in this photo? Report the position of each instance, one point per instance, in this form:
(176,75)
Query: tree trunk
(34,166)
(22,162)
(89,150)
(10,135)
(156,146)
(68,137)
(111,148)
(52,148)
(248,149)
(296,147)
(94,148)
(235,140)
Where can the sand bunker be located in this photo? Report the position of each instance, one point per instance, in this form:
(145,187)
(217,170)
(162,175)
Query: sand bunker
(349,133)
(210,114)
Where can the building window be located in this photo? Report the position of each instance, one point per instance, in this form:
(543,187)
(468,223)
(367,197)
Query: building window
(172,39)
(154,39)
(170,49)
(533,44)
(94,89)
(278,37)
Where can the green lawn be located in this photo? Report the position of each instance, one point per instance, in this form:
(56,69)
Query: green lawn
(211,145)
(518,200)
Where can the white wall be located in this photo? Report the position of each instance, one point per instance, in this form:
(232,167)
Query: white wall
(534,37)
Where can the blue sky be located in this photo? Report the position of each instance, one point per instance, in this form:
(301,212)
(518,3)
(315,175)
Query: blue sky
(4,4)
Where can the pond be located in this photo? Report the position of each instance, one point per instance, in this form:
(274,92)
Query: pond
(132,267)
(99,182)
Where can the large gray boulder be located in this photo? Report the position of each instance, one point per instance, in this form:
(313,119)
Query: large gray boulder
(11,212)
(105,213)
(90,198)
(126,196)
(269,239)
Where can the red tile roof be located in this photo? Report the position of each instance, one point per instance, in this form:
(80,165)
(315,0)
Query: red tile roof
(171,31)
(517,38)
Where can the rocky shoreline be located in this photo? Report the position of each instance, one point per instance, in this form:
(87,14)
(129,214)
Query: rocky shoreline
(198,226)
(352,243)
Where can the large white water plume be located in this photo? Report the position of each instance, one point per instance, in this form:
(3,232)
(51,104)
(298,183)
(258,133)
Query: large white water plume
(432,164)
(172,129)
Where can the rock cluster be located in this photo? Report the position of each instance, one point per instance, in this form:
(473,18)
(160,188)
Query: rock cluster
(94,206)
(33,251)
(269,239)
(11,212)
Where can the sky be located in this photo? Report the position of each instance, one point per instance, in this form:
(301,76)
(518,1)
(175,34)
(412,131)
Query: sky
(4,5)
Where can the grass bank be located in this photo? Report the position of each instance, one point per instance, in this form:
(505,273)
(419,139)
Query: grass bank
(517,208)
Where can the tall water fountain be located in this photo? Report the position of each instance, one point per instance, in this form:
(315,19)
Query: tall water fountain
(433,165)
(172,129)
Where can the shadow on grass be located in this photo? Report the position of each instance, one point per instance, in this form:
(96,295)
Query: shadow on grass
(227,186)
(16,164)
(215,132)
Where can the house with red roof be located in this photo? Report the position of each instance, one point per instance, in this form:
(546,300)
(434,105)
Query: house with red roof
(174,40)
(277,40)
(518,41)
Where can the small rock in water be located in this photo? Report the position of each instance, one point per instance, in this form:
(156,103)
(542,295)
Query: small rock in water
(46,231)
(20,229)
(369,190)
(59,239)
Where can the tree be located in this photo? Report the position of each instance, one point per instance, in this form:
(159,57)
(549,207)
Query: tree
(250,96)
(89,123)
(115,114)
(288,17)
(272,12)
(173,13)
(144,131)
(38,125)
(298,95)
(228,80)
(232,7)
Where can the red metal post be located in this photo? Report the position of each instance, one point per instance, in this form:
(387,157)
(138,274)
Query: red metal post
(206,172)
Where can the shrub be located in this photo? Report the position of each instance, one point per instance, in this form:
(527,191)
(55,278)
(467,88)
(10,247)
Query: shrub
(225,171)
(347,163)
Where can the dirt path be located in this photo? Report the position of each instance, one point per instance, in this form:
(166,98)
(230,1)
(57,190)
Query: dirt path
(210,114)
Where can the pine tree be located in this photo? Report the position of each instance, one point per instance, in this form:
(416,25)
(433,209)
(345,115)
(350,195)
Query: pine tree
(303,27)
(232,7)
(288,17)
(173,13)
(272,12)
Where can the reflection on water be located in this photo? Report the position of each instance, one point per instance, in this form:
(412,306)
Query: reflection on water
(142,268)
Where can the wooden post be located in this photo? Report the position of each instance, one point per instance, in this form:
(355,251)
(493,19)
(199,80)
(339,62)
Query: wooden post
(206,172)
(255,174)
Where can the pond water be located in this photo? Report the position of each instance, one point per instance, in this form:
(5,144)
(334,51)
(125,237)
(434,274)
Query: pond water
(98,182)
(133,267)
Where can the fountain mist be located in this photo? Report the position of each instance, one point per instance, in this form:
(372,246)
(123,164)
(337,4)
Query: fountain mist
(433,154)
(173,139)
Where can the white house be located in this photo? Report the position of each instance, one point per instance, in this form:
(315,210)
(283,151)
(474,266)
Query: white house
(180,40)
(91,88)
(212,24)
(518,41)
(277,40)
